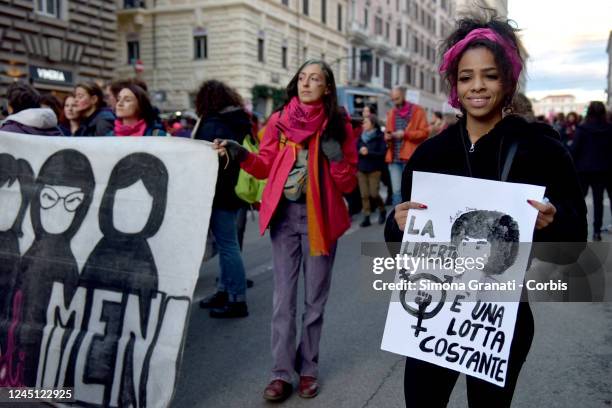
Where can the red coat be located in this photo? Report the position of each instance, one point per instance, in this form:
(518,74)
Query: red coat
(275,164)
(415,133)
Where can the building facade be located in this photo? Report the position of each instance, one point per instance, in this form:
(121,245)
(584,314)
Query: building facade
(255,46)
(55,44)
(552,104)
(395,43)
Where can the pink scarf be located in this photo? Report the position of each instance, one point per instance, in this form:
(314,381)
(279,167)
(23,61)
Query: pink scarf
(298,121)
(404,111)
(137,129)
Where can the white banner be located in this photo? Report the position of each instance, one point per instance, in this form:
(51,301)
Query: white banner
(449,311)
(101,241)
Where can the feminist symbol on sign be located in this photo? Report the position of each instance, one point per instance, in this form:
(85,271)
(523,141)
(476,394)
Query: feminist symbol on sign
(423,299)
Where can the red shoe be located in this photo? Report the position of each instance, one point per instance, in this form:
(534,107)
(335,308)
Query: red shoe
(278,390)
(309,387)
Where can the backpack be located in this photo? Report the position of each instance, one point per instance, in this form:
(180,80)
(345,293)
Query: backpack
(248,188)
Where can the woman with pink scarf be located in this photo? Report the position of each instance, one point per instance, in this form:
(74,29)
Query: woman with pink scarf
(308,156)
(135,114)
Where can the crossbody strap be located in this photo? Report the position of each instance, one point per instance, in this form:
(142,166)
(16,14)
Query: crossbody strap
(509,160)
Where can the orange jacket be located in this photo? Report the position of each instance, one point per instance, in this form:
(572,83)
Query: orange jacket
(414,134)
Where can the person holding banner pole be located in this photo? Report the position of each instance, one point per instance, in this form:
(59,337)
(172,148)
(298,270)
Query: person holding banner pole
(482,64)
(222,115)
(308,156)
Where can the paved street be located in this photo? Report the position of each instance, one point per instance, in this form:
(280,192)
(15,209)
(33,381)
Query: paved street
(226,362)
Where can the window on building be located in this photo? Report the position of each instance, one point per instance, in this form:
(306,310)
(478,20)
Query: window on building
(409,74)
(377,67)
(339,17)
(284,56)
(415,44)
(422,80)
(305,7)
(324,11)
(129,4)
(366,65)
(353,63)
(388,72)
(378,25)
(397,5)
(398,37)
(133,48)
(200,47)
(305,53)
(433,85)
(397,74)
(285,3)
(260,49)
(444,4)
(365,18)
(49,8)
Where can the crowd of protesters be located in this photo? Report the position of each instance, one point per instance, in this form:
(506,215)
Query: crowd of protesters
(316,158)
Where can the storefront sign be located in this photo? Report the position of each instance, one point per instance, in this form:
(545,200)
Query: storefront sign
(50,75)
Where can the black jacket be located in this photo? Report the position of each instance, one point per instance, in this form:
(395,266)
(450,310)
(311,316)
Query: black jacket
(592,148)
(234,124)
(375,159)
(100,123)
(539,160)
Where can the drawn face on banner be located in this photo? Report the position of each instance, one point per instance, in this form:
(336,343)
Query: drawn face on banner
(16,178)
(132,208)
(57,207)
(10,203)
(134,202)
(64,190)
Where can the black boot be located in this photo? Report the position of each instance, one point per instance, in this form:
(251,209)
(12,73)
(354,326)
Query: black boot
(230,310)
(218,299)
(382,216)
(365,222)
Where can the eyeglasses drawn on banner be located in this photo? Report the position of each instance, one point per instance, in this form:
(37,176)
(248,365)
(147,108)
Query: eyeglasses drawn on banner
(109,329)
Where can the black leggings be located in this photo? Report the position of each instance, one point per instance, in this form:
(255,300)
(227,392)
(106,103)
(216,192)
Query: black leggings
(429,385)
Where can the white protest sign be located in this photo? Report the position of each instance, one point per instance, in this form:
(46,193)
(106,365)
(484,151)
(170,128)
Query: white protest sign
(101,240)
(450,316)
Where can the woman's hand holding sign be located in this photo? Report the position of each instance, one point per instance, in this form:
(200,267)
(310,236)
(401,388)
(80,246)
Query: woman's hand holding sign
(546,213)
(401,212)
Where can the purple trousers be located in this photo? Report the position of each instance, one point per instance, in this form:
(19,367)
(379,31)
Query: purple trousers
(290,249)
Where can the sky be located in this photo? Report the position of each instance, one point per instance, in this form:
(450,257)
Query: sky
(566,41)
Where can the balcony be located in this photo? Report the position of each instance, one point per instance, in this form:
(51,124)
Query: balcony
(132,12)
(357,32)
(381,44)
